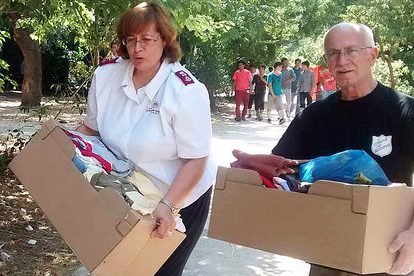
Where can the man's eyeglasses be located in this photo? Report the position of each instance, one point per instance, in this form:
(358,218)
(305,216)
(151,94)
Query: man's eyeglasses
(131,41)
(352,52)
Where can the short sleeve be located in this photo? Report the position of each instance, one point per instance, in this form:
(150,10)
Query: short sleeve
(192,123)
(255,79)
(234,76)
(270,79)
(92,108)
(295,142)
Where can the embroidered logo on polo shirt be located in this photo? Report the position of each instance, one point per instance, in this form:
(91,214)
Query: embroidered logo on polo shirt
(381,145)
(184,77)
(154,107)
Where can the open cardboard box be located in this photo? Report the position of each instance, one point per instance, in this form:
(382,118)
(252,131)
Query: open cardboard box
(337,225)
(106,235)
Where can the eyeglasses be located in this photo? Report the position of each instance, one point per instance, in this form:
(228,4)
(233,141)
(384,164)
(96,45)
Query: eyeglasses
(351,52)
(131,41)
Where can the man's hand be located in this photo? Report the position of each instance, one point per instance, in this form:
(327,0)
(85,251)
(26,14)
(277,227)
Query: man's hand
(404,245)
(165,222)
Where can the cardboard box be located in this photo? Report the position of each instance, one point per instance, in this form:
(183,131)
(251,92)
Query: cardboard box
(106,235)
(338,225)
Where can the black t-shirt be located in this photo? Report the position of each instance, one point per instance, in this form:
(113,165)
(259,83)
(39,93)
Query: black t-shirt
(381,123)
(260,87)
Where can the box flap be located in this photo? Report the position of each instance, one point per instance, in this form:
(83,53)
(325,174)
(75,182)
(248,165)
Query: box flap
(138,253)
(332,189)
(47,128)
(115,202)
(236,175)
(221,178)
(358,194)
(360,198)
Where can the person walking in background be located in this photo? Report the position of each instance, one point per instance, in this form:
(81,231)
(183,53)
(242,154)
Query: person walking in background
(327,81)
(242,85)
(274,82)
(288,76)
(259,83)
(297,69)
(252,98)
(305,84)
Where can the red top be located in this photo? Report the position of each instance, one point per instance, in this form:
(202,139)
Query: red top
(327,81)
(242,79)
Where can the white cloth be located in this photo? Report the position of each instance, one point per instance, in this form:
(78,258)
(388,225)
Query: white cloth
(150,196)
(156,132)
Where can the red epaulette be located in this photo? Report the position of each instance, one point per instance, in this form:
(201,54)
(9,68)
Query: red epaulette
(108,61)
(184,77)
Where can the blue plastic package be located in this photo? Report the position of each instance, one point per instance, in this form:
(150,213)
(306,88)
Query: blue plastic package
(351,166)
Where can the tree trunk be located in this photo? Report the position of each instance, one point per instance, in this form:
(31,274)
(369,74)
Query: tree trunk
(32,81)
(392,77)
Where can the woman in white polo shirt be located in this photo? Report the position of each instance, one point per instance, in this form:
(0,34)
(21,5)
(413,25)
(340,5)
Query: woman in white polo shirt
(148,108)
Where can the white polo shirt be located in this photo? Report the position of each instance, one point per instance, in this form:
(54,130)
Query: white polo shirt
(157,126)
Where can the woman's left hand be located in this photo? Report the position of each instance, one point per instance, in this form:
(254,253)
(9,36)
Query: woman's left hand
(165,222)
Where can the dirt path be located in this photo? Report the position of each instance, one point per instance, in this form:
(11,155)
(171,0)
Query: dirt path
(211,257)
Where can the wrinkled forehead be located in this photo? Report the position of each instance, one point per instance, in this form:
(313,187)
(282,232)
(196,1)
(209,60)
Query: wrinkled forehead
(344,37)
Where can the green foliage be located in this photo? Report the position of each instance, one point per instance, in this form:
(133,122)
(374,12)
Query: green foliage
(4,78)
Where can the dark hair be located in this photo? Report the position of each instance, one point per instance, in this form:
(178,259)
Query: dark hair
(283,59)
(277,63)
(141,16)
(306,63)
(262,66)
(298,59)
(241,61)
(270,69)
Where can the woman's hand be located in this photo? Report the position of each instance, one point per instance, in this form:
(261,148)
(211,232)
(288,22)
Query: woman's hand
(165,222)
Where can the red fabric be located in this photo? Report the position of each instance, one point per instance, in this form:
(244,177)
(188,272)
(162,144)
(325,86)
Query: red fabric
(241,98)
(184,77)
(316,74)
(108,61)
(327,80)
(266,181)
(242,79)
(88,151)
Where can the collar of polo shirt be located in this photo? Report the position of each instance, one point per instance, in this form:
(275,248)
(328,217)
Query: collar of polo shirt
(155,84)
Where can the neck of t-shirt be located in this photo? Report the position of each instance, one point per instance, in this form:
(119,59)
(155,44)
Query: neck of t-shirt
(354,93)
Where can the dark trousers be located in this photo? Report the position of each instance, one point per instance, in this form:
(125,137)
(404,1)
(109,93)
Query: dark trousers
(302,97)
(194,218)
(252,99)
(259,101)
(241,98)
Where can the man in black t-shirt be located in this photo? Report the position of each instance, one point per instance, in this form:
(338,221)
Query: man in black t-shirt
(259,83)
(365,115)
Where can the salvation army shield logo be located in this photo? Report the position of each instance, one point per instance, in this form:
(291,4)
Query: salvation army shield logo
(381,145)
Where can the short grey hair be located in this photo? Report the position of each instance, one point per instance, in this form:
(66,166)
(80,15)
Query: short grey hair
(358,27)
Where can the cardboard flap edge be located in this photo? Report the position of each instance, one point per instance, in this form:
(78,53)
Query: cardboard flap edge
(332,189)
(47,128)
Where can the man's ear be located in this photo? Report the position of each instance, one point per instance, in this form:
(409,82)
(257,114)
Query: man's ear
(374,55)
